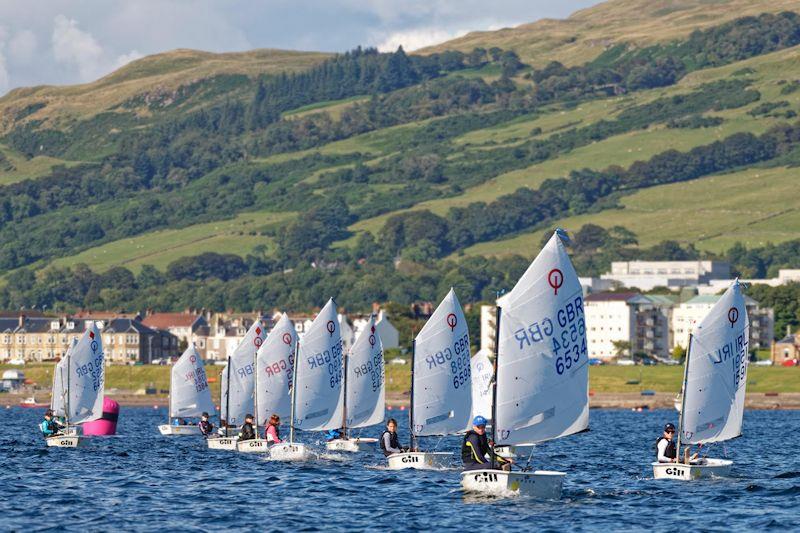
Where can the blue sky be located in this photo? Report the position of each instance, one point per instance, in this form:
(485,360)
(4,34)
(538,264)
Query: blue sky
(73,41)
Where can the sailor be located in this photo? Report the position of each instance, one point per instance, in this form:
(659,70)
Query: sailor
(273,432)
(247,432)
(206,427)
(334,434)
(389,442)
(666,447)
(476,453)
(49,426)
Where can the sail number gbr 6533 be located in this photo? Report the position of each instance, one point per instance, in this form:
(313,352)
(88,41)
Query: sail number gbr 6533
(566,333)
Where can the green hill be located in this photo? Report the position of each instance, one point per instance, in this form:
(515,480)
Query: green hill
(277,178)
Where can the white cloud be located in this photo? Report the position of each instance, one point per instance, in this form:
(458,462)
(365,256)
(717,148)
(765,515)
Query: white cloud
(77,48)
(4,78)
(22,47)
(124,59)
(417,38)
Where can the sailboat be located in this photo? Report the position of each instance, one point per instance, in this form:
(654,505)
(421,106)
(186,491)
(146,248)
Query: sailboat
(80,384)
(714,381)
(364,390)
(542,381)
(441,387)
(59,390)
(237,396)
(317,393)
(482,374)
(189,395)
(273,379)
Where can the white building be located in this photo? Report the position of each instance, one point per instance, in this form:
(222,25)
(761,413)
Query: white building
(487,327)
(641,321)
(686,316)
(645,275)
(389,335)
(716,286)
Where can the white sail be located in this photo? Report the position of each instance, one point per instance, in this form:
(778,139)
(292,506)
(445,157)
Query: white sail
(717,374)
(442,402)
(275,367)
(366,390)
(318,398)
(482,373)
(542,371)
(86,377)
(189,394)
(59,393)
(238,400)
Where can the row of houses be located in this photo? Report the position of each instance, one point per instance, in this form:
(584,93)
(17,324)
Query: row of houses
(621,324)
(130,339)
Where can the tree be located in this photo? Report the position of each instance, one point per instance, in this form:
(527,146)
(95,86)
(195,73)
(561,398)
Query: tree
(621,348)
(678,353)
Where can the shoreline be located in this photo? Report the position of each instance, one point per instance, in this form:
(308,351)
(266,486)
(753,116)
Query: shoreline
(597,400)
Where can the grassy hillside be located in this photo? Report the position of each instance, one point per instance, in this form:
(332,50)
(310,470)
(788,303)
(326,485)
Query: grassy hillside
(193,152)
(587,33)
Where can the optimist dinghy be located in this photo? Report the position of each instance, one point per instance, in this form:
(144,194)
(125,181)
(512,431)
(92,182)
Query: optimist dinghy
(238,385)
(317,393)
(189,395)
(441,386)
(78,387)
(364,391)
(714,381)
(542,382)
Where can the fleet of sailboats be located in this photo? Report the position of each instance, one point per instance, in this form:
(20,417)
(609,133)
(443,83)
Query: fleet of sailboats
(534,390)
(715,377)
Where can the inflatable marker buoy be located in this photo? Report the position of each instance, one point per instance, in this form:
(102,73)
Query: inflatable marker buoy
(107,424)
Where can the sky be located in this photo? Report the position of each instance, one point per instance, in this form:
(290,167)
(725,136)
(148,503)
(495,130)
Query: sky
(72,41)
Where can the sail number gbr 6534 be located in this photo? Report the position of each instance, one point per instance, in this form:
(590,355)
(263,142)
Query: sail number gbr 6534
(457,357)
(566,333)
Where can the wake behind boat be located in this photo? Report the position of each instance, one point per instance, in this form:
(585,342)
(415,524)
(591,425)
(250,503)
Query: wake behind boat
(714,382)
(541,387)
(364,391)
(441,386)
(189,394)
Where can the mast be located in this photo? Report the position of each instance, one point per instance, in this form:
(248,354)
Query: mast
(169,398)
(255,388)
(344,397)
(411,438)
(66,401)
(683,398)
(294,389)
(228,396)
(494,388)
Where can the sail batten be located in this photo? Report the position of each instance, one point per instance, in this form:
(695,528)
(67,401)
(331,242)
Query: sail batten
(275,369)
(442,402)
(189,394)
(319,396)
(717,372)
(542,372)
(366,389)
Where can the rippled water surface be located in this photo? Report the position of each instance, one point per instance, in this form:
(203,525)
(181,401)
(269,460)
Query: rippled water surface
(140,480)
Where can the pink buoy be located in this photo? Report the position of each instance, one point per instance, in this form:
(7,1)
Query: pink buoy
(107,424)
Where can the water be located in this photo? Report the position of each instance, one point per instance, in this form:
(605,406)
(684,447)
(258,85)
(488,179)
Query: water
(142,481)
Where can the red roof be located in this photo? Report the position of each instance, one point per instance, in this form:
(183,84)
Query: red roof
(170,320)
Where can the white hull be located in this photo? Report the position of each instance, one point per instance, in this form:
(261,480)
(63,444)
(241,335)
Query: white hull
(709,467)
(252,446)
(290,452)
(541,484)
(419,460)
(222,443)
(65,441)
(352,445)
(180,431)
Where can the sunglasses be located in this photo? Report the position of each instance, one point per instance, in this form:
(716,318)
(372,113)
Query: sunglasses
(670,431)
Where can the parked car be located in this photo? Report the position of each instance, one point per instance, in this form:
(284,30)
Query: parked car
(596,362)
(764,362)
(626,362)
(397,361)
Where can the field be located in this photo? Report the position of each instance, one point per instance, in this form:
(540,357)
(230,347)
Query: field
(713,213)
(28,168)
(159,248)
